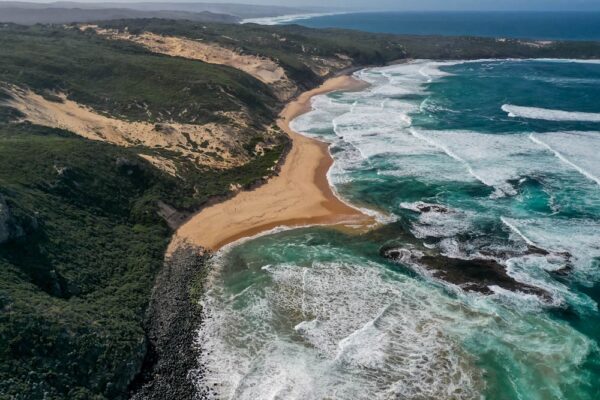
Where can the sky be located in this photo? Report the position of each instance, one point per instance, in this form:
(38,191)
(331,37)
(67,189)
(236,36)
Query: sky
(412,5)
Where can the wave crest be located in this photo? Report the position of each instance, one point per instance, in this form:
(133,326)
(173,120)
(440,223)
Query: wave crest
(549,114)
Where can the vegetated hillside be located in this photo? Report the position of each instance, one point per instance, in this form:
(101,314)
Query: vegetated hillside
(125,80)
(307,55)
(473,48)
(77,266)
(81,238)
(81,244)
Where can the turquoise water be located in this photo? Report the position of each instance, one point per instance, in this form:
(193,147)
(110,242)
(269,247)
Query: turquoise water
(489,160)
(532,25)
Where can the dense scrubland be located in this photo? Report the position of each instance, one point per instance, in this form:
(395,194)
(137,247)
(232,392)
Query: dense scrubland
(75,276)
(81,237)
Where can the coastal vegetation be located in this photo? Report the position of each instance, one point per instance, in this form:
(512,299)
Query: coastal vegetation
(84,239)
(125,80)
(76,275)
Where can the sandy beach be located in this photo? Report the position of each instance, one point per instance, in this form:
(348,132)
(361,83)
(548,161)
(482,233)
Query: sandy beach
(300,195)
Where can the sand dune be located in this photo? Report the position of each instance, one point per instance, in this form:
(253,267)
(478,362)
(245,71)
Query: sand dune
(263,69)
(181,138)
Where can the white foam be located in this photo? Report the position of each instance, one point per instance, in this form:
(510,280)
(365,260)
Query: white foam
(371,129)
(450,153)
(354,325)
(516,230)
(353,330)
(567,60)
(442,225)
(582,146)
(285,19)
(533,270)
(493,159)
(579,238)
(548,114)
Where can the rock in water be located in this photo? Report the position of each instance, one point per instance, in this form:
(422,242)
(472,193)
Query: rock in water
(477,274)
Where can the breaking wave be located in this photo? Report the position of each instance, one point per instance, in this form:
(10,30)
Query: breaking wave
(548,114)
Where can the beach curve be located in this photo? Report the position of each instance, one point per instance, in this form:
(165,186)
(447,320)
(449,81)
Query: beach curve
(300,195)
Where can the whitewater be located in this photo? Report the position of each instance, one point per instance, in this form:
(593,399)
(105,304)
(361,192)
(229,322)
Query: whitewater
(481,282)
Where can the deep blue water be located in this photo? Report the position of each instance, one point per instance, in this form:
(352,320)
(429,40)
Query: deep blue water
(531,25)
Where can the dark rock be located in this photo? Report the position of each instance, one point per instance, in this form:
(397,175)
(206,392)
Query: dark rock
(564,271)
(422,207)
(531,249)
(425,208)
(5,217)
(164,128)
(472,275)
(9,226)
(172,320)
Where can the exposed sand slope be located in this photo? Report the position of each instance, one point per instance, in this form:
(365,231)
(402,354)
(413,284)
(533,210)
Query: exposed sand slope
(263,69)
(180,138)
(299,195)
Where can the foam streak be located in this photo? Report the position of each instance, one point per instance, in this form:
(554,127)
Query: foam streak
(516,230)
(451,154)
(548,114)
(561,157)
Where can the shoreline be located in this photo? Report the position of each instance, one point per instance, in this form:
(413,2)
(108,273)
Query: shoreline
(299,195)
(286,18)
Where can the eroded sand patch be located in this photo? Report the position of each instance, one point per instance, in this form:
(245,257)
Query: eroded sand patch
(161,163)
(209,144)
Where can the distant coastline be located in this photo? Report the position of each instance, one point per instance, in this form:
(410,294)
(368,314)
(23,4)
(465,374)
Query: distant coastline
(286,19)
(517,25)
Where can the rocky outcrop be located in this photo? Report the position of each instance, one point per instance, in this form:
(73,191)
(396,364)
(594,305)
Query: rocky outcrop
(9,228)
(172,320)
(475,275)
(4,219)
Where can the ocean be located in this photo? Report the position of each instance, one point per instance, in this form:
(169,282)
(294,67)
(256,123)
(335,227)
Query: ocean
(482,280)
(530,25)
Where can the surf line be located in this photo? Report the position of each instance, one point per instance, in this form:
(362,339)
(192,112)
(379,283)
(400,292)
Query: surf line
(454,156)
(516,230)
(564,159)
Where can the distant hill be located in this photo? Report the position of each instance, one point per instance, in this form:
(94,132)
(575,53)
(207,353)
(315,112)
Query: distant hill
(55,15)
(237,10)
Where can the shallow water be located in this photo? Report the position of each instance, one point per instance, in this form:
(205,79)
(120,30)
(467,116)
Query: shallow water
(315,313)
